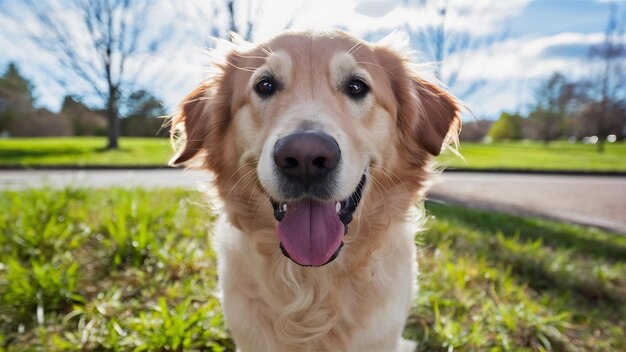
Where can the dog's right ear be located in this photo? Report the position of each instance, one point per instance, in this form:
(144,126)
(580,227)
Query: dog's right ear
(190,127)
(205,114)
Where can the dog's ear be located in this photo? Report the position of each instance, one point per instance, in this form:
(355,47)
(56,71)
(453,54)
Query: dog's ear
(194,119)
(438,115)
(426,113)
(204,116)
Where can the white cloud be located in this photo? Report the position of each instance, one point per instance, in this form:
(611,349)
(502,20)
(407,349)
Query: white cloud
(514,68)
(363,16)
(375,8)
(529,58)
(507,64)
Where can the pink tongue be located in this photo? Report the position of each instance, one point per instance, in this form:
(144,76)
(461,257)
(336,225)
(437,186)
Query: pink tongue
(311,232)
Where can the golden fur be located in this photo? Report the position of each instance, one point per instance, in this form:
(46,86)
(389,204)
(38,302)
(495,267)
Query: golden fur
(361,300)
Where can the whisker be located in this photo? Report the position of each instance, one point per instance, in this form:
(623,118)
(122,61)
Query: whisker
(377,65)
(355,47)
(250,57)
(195,100)
(260,198)
(386,172)
(246,69)
(252,162)
(267,50)
(251,181)
(236,183)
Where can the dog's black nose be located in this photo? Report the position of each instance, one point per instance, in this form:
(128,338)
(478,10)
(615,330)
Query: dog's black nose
(307,156)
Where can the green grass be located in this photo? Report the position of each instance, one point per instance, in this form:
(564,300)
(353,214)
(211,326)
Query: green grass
(84,151)
(493,282)
(87,151)
(132,270)
(530,155)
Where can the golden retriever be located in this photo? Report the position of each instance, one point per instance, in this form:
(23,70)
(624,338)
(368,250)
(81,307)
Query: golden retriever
(320,145)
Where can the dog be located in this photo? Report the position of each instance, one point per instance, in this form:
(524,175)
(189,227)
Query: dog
(321,145)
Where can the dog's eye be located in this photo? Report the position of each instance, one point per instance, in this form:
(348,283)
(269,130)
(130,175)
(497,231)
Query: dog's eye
(357,89)
(266,87)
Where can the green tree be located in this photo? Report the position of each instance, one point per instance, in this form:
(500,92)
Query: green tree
(84,121)
(142,118)
(608,80)
(16,97)
(18,117)
(145,104)
(508,127)
(547,120)
(547,125)
(14,82)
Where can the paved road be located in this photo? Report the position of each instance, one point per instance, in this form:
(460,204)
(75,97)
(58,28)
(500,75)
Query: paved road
(589,200)
(18,179)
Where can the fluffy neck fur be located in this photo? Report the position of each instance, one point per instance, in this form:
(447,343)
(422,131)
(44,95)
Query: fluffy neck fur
(318,307)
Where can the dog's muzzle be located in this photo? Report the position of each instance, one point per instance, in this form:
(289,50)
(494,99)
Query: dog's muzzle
(310,229)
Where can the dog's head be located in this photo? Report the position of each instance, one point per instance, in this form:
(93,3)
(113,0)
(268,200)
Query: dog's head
(307,120)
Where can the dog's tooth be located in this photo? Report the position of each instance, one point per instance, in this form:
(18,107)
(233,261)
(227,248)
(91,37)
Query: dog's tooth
(338,207)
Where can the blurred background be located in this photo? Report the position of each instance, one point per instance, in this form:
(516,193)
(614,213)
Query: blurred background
(543,70)
(103,248)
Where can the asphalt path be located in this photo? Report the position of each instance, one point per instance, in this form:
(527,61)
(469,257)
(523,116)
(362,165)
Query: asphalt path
(150,178)
(598,201)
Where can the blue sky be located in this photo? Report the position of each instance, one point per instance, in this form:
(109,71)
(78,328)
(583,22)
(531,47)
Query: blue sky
(544,36)
(550,17)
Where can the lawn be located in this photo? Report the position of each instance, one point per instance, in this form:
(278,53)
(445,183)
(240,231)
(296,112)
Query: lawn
(84,151)
(117,269)
(87,151)
(530,155)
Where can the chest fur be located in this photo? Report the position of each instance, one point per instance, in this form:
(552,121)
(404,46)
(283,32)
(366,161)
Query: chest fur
(269,301)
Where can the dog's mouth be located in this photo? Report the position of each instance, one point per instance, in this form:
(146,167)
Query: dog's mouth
(310,231)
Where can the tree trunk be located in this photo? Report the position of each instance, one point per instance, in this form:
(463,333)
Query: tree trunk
(231,16)
(600,144)
(601,123)
(113,130)
(112,133)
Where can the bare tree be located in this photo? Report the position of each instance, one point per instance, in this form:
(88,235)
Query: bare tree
(93,42)
(608,84)
(247,31)
(205,20)
(440,43)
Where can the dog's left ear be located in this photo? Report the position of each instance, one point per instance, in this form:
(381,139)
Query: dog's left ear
(426,113)
(438,115)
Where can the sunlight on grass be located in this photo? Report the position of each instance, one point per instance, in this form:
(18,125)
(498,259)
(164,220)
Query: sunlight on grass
(84,151)
(118,269)
(527,155)
(492,281)
(532,155)
(126,270)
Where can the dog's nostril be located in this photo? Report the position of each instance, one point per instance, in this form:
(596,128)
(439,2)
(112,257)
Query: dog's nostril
(320,162)
(290,163)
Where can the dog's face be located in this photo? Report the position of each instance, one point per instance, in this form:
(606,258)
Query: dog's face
(311,118)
